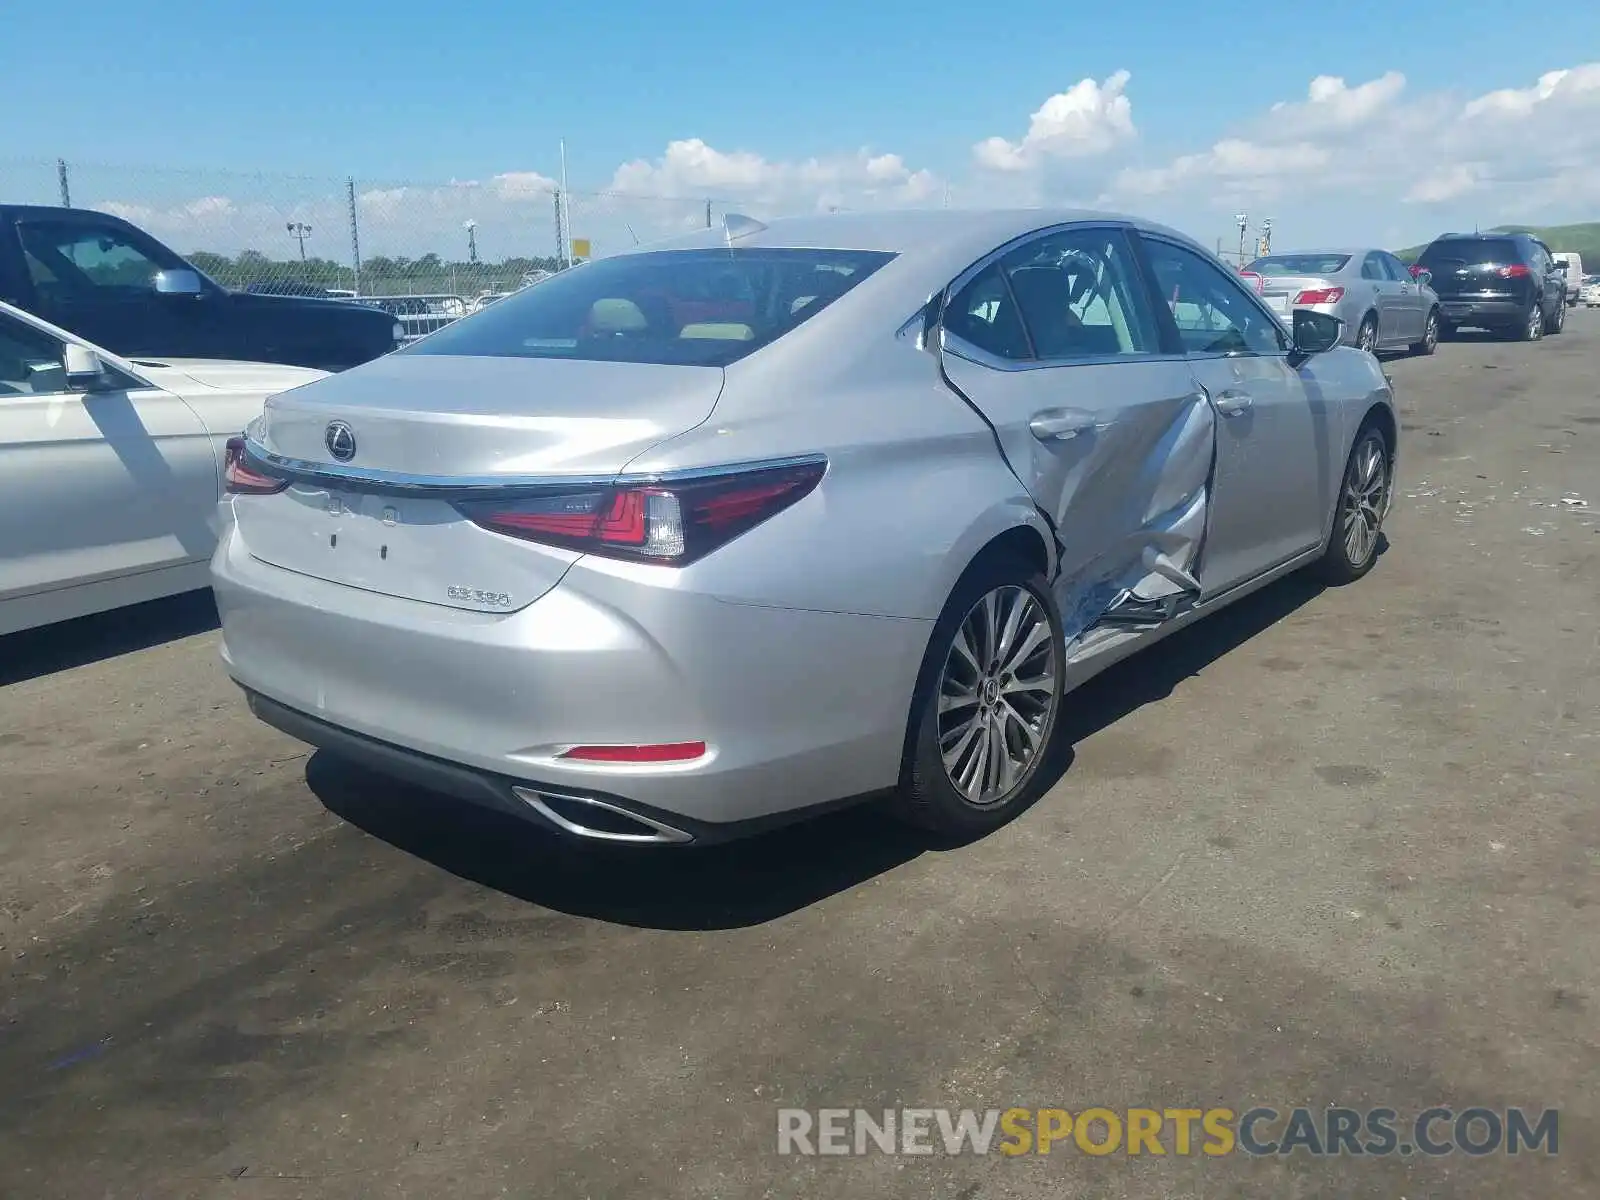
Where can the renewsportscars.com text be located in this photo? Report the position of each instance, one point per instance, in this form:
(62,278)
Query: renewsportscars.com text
(1211,1132)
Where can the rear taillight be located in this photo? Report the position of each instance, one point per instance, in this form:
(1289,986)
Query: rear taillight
(1514,271)
(670,523)
(240,479)
(1320,296)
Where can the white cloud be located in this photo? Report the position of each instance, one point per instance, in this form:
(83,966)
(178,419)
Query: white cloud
(1371,155)
(1344,160)
(692,170)
(1087,119)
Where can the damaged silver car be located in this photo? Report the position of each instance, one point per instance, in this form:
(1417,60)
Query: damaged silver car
(699,538)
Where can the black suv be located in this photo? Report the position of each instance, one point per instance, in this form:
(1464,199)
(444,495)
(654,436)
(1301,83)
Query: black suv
(1505,282)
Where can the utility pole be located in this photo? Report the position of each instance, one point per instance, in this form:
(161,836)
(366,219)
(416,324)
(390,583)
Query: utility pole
(566,229)
(1266,236)
(561,254)
(355,235)
(472,242)
(300,231)
(708,214)
(61,178)
(1244,224)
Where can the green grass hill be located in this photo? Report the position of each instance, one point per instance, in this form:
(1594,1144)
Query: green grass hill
(1580,239)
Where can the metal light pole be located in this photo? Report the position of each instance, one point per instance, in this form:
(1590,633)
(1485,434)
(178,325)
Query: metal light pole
(472,241)
(1266,236)
(300,231)
(1244,223)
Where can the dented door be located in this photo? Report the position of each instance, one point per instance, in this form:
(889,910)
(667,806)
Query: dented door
(1057,344)
(1119,457)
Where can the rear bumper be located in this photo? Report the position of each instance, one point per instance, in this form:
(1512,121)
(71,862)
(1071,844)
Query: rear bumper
(797,708)
(1484,312)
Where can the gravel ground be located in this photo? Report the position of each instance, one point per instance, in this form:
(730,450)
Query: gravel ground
(1327,847)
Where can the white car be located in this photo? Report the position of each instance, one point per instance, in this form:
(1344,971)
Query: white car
(111,470)
(1589,293)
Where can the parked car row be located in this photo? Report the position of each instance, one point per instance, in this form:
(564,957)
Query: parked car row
(1507,283)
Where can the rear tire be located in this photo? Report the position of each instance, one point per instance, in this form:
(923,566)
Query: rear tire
(1364,496)
(1367,334)
(1430,334)
(989,723)
(1532,328)
(1557,320)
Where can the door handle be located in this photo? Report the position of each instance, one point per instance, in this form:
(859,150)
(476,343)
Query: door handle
(1062,424)
(1232,403)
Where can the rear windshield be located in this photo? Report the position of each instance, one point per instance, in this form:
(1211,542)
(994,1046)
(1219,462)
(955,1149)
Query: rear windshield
(1471,250)
(685,307)
(1299,264)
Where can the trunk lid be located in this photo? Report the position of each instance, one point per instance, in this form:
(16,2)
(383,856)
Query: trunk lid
(449,418)
(1279,291)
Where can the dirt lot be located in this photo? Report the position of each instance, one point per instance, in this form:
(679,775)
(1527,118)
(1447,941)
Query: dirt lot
(1330,847)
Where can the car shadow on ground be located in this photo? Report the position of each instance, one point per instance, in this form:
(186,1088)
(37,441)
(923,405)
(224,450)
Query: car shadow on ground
(100,636)
(759,879)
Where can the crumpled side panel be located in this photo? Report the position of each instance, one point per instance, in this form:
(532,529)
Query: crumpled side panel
(1133,529)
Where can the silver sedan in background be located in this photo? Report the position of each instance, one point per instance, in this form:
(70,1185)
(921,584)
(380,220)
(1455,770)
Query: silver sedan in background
(1370,290)
(691,540)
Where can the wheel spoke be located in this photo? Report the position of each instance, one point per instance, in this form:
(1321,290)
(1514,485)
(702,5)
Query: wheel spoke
(964,647)
(1033,685)
(1016,609)
(1024,650)
(991,629)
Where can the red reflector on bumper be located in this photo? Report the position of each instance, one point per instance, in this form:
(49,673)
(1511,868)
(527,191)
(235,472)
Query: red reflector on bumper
(662,752)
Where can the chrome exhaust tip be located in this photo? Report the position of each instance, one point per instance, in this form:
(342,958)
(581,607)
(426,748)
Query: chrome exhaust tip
(599,821)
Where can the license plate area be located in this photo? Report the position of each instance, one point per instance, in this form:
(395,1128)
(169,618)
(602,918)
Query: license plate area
(416,548)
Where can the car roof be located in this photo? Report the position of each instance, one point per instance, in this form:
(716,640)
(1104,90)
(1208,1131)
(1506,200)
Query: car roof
(902,231)
(1351,250)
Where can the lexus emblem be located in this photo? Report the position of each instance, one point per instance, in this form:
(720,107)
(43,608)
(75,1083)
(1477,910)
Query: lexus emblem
(341,441)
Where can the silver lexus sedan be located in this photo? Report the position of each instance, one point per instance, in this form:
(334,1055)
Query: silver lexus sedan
(1384,307)
(697,539)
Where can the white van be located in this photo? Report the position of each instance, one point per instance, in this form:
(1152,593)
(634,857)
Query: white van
(1574,273)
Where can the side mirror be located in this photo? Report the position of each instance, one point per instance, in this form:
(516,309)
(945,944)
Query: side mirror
(85,372)
(180,282)
(1314,333)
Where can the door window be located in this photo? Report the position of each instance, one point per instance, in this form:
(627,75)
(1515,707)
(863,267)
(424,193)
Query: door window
(984,314)
(1395,268)
(1067,296)
(67,259)
(30,361)
(1079,295)
(1372,267)
(1212,310)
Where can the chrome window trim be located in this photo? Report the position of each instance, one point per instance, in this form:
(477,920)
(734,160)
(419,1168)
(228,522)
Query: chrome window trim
(467,487)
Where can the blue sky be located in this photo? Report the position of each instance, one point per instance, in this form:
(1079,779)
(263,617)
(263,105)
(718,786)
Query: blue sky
(406,90)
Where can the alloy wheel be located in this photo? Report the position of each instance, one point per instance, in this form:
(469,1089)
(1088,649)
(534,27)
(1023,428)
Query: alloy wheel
(1535,324)
(1368,338)
(1430,333)
(1365,501)
(997,695)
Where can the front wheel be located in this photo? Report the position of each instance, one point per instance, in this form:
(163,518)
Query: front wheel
(1363,503)
(1430,335)
(986,703)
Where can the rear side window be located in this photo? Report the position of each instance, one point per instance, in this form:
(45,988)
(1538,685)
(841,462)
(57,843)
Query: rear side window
(1299,264)
(681,307)
(1471,250)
